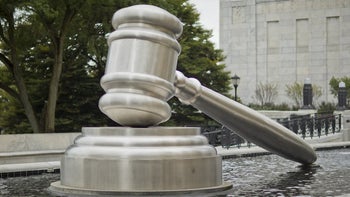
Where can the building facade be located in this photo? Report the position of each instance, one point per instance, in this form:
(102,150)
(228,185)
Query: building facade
(285,41)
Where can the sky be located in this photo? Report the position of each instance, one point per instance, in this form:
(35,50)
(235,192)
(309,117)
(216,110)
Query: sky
(209,16)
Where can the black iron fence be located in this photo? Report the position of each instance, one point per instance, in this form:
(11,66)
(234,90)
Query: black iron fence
(222,136)
(307,126)
(313,125)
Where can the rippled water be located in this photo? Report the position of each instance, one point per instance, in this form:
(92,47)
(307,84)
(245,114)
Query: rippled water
(271,175)
(268,175)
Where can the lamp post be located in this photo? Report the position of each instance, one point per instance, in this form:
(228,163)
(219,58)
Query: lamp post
(307,94)
(235,82)
(342,96)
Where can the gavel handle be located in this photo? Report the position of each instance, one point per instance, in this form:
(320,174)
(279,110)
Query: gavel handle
(246,122)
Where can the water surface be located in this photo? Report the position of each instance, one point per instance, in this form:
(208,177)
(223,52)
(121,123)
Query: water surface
(267,175)
(271,175)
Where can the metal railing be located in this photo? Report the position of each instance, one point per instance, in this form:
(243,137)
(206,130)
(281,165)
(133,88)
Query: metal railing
(223,136)
(312,125)
(307,126)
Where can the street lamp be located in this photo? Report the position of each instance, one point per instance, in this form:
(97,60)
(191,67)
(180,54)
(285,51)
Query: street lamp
(235,82)
(342,96)
(307,94)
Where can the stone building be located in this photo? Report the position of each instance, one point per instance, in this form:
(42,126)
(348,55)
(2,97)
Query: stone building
(285,41)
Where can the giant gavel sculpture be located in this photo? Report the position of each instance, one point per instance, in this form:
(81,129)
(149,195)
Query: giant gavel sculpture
(140,157)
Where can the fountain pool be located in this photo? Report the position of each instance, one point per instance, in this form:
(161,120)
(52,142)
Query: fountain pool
(267,175)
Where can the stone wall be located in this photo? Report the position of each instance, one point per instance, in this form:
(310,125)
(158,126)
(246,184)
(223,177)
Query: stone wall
(285,114)
(33,148)
(285,41)
(36,142)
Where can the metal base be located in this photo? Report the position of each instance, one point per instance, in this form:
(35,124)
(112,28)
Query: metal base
(140,161)
(57,189)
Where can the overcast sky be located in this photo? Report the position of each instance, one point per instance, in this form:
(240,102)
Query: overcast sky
(209,16)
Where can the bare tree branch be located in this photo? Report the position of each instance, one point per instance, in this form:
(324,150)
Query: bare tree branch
(266,93)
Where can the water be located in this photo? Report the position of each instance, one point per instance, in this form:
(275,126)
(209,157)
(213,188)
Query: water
(271,175)
(268,175)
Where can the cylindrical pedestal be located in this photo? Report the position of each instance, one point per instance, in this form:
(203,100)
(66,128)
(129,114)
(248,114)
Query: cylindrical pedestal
(135,161)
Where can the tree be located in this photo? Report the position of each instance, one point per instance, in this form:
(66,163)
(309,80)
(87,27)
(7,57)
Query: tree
(56,18)
(198,59)
(10,57)
(266,93)
(42,55)
(63,58)
(42,50)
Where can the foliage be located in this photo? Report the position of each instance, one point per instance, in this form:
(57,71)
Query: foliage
(83,57)
(334,83)
(38,60)
(266,93)
(270,106)
(14,29)
(9,105)
(198,59)
(326,108)
(295,93)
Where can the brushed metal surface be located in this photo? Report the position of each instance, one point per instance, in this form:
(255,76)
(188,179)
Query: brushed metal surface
(61,190)
(133,159)
(246,122)
(141,65)
(138,81)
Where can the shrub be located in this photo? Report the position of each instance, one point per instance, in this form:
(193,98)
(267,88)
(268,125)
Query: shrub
(326,108)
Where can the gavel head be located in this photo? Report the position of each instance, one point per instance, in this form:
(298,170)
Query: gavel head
(141,65)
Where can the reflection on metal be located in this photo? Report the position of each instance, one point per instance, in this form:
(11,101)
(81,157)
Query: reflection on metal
(141,158)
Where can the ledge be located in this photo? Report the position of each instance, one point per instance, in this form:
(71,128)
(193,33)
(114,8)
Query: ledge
(30,153)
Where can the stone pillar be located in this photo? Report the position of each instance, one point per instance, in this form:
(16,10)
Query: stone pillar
(346,125)
(307,94)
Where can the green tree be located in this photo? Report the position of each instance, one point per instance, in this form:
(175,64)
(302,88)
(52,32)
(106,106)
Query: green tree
(198,59)
(67,51)
(12,44)
(40,57)
(56,17)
